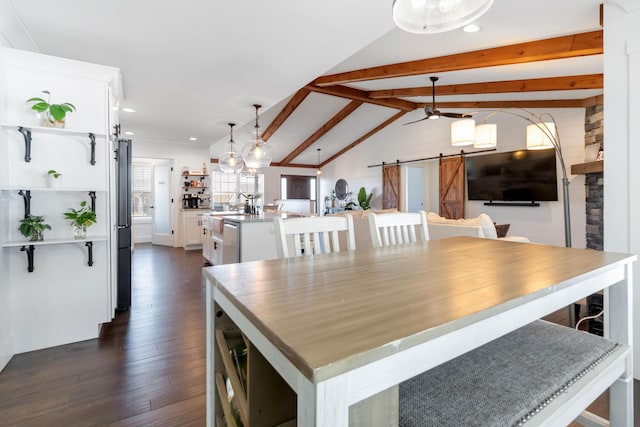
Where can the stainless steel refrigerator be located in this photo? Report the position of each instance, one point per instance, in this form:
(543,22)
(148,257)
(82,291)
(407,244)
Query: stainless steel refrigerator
(123,196)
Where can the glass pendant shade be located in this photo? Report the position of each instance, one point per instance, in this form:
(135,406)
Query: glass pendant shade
(231,161)
(538,136)
(437,16)
(486,136)
(257,154)
(463,132)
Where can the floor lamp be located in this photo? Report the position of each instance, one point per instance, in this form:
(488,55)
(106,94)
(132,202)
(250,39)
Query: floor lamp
(541,134)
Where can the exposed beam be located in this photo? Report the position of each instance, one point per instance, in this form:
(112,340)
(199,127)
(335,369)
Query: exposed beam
(350,108)
(586,81)
(293,165)
(361,95)
(364,137)
(594,100)
(551,103)
(284,114)
(582,44)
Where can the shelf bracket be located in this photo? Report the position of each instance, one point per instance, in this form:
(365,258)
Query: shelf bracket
(26,195)
(29,250)
(92,139)
(26,133)
(89,246)
(92,194)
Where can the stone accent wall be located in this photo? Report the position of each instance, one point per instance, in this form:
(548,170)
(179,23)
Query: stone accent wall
(594,182)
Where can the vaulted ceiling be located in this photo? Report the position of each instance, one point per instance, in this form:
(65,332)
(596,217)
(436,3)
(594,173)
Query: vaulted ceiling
(328,77)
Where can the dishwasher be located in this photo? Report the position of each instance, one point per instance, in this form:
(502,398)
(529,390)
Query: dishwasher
(230,243)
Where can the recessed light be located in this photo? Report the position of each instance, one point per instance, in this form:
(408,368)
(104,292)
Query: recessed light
(193,138)
(128,110)
(128,133)
(471,28)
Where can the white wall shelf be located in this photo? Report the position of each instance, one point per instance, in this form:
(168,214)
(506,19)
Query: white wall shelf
(29,247)
(26,132)
(54,189)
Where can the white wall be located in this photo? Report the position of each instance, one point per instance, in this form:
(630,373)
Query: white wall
(622,139)
(191,156)
(63,300)
(543,224)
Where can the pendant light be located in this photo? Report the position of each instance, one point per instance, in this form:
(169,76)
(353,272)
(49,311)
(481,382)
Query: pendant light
(257,154)
(318,170)
(231,161)
(437,16)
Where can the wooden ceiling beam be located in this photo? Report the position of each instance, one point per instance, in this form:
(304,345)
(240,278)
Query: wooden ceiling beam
(363,96)
(575,45)
(284,114)
(340,116)
(594,100)
(549,103)
(364,137)
(293,165)
(586,81)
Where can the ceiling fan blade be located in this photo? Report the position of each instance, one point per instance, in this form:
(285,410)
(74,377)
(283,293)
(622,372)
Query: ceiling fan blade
(455,115)
(415,121)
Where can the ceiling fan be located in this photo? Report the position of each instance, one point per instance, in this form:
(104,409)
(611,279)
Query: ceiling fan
(431,112)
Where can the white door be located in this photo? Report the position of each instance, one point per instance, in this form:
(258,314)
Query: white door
(415,189)
(161,216)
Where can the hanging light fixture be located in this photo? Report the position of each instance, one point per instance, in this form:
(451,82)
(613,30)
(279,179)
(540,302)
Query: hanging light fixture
(231,161)
(539,136)
(318,170)
(437,16)
(257,154)
(463,132)
(486,136)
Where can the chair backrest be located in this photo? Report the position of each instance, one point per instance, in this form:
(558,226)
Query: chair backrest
(312,235)
(398,228)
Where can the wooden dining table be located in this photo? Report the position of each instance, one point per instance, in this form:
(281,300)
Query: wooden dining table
(346,327)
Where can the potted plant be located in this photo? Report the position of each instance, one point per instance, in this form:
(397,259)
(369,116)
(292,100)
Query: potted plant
(53,178)
(55,113)
(363,199)
(33,227)
(80,220)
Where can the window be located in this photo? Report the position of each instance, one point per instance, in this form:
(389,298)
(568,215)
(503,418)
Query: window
(142,196)
(297,187)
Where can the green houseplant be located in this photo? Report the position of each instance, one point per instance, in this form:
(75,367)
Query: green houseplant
(55,113)
(53,178)
(81,219)
(33,227)
(363,199)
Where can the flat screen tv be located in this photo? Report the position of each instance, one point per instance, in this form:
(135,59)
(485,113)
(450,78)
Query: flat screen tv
(515,176)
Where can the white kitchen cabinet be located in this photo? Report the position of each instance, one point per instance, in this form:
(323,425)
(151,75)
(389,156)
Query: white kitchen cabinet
(192,229)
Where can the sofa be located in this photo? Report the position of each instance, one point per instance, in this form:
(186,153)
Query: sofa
(439,227)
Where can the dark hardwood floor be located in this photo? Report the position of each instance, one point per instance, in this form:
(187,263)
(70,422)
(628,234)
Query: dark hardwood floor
(148,366)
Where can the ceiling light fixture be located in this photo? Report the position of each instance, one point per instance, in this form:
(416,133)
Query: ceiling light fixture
(128,110)
(128,133)
(437,16)
(257,154)
(231,161)
(193,138)
(471,28)
(318,170)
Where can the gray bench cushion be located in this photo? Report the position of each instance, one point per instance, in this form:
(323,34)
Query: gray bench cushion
(502,382)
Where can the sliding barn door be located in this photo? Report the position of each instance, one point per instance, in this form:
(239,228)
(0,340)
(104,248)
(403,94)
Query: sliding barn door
(452,187)
(390,187)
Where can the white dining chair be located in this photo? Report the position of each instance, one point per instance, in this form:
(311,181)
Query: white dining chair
(398,228)
(312,235)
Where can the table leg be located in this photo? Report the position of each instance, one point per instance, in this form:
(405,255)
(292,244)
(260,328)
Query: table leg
(323,404)
(618,326)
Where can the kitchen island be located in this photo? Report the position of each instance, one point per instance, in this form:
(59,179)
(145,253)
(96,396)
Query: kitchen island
(230,237)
